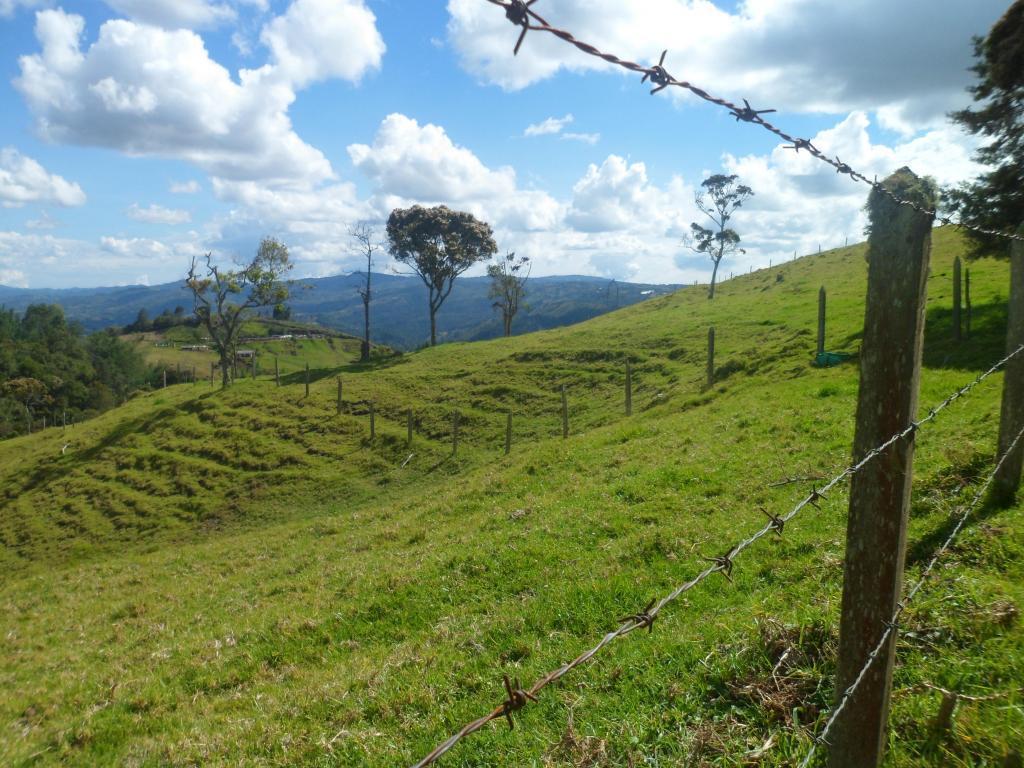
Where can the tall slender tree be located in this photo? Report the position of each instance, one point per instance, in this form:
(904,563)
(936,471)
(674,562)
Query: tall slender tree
(367,243)
(718,198)
(224,298)
(508,286)
(438,244)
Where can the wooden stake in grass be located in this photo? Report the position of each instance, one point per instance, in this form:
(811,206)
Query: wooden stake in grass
(165,378)
(711,358)
(899,248)
(957,322)
(821,320)
(1011,415)
(967,303)
(339,395)
(629,389)
(565,414)
(307,379)
(508,433)
(213,369)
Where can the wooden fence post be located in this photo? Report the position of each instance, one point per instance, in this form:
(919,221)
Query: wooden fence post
(957,323)
(629,389)
(254,367)
(63,421)
(455,433)
(821,320)
(408,428)
(373,421)
(339,395)
(565,414)
(508,433)
(711,357)
(213,369)
(967,303)
(165,378)
(1011,415)
(277,371)
(307,379)
(890,370)
(194,379)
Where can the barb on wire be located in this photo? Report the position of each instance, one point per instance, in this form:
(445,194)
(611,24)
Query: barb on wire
(892,625)
(723,564)
(521,14)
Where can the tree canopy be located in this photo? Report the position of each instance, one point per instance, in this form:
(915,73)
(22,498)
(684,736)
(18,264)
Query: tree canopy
(995,200)
(718,198)
(438,244)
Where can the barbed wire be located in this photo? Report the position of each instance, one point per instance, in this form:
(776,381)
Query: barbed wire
(892,625)
(521,14)
(519,697)
(926,686)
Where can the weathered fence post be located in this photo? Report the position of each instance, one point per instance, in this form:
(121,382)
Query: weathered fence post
(339,395)
(629,389)
(408,427)
(967,303)
(373,421)
(165,378)
(213,369)
(508,433)
(821,320)
(307,379)
(565,414)
(711,357)
(890,370)
(1011,415)
(277,371)
(455,433)
(957,322)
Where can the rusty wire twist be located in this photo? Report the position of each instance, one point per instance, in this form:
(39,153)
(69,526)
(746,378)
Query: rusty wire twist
(522,15)
(892,625)
(723,564)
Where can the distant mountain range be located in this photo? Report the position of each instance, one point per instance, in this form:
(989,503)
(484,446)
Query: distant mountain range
(399,310)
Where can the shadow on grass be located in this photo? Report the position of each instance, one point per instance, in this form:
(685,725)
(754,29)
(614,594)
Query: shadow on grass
(985,345)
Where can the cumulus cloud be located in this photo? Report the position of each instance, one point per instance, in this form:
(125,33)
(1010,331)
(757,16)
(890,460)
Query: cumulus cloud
(190,187)
(157,214)
(145,90)
(175,14)
(767,50)
(23,180)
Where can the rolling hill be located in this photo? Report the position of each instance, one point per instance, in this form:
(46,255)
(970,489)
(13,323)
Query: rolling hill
(246,578)
(400,316)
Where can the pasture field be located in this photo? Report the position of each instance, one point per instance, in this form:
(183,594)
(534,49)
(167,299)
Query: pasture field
(245,578)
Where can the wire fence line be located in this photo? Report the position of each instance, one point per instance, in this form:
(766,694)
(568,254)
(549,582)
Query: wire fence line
(892,625)
(521,14)
(518,697)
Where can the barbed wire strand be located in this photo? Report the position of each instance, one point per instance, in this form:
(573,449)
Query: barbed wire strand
(892,625)
(521,14)
(519,697)
(926,686)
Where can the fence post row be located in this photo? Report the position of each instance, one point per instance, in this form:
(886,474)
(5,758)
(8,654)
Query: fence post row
(898,253)
(711,357)
(957,301)
(1011,415)
(821,320)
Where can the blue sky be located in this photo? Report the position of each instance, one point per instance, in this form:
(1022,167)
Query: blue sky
(137,133)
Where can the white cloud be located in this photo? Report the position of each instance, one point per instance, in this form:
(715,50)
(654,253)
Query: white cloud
(14,278)
(175,14)
(191,187)
(157,214)
(585,138)
(548,126)
(45,221)
(799,55)
(23,180)
(145,90)
(8,7)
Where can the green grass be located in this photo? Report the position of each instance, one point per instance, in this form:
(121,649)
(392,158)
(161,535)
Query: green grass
(242,577)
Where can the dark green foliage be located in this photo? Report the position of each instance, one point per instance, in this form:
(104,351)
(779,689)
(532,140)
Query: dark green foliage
(48,365)
(995,200)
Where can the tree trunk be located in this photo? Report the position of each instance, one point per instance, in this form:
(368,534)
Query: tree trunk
(714,275)
(433,327)
(364,349)
(225,372)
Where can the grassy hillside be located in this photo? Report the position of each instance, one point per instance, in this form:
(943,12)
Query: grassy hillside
(242,577)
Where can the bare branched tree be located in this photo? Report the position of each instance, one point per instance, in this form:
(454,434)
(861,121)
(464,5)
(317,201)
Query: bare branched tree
(223,298)
(718,198)
(508,286)
(367,243)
